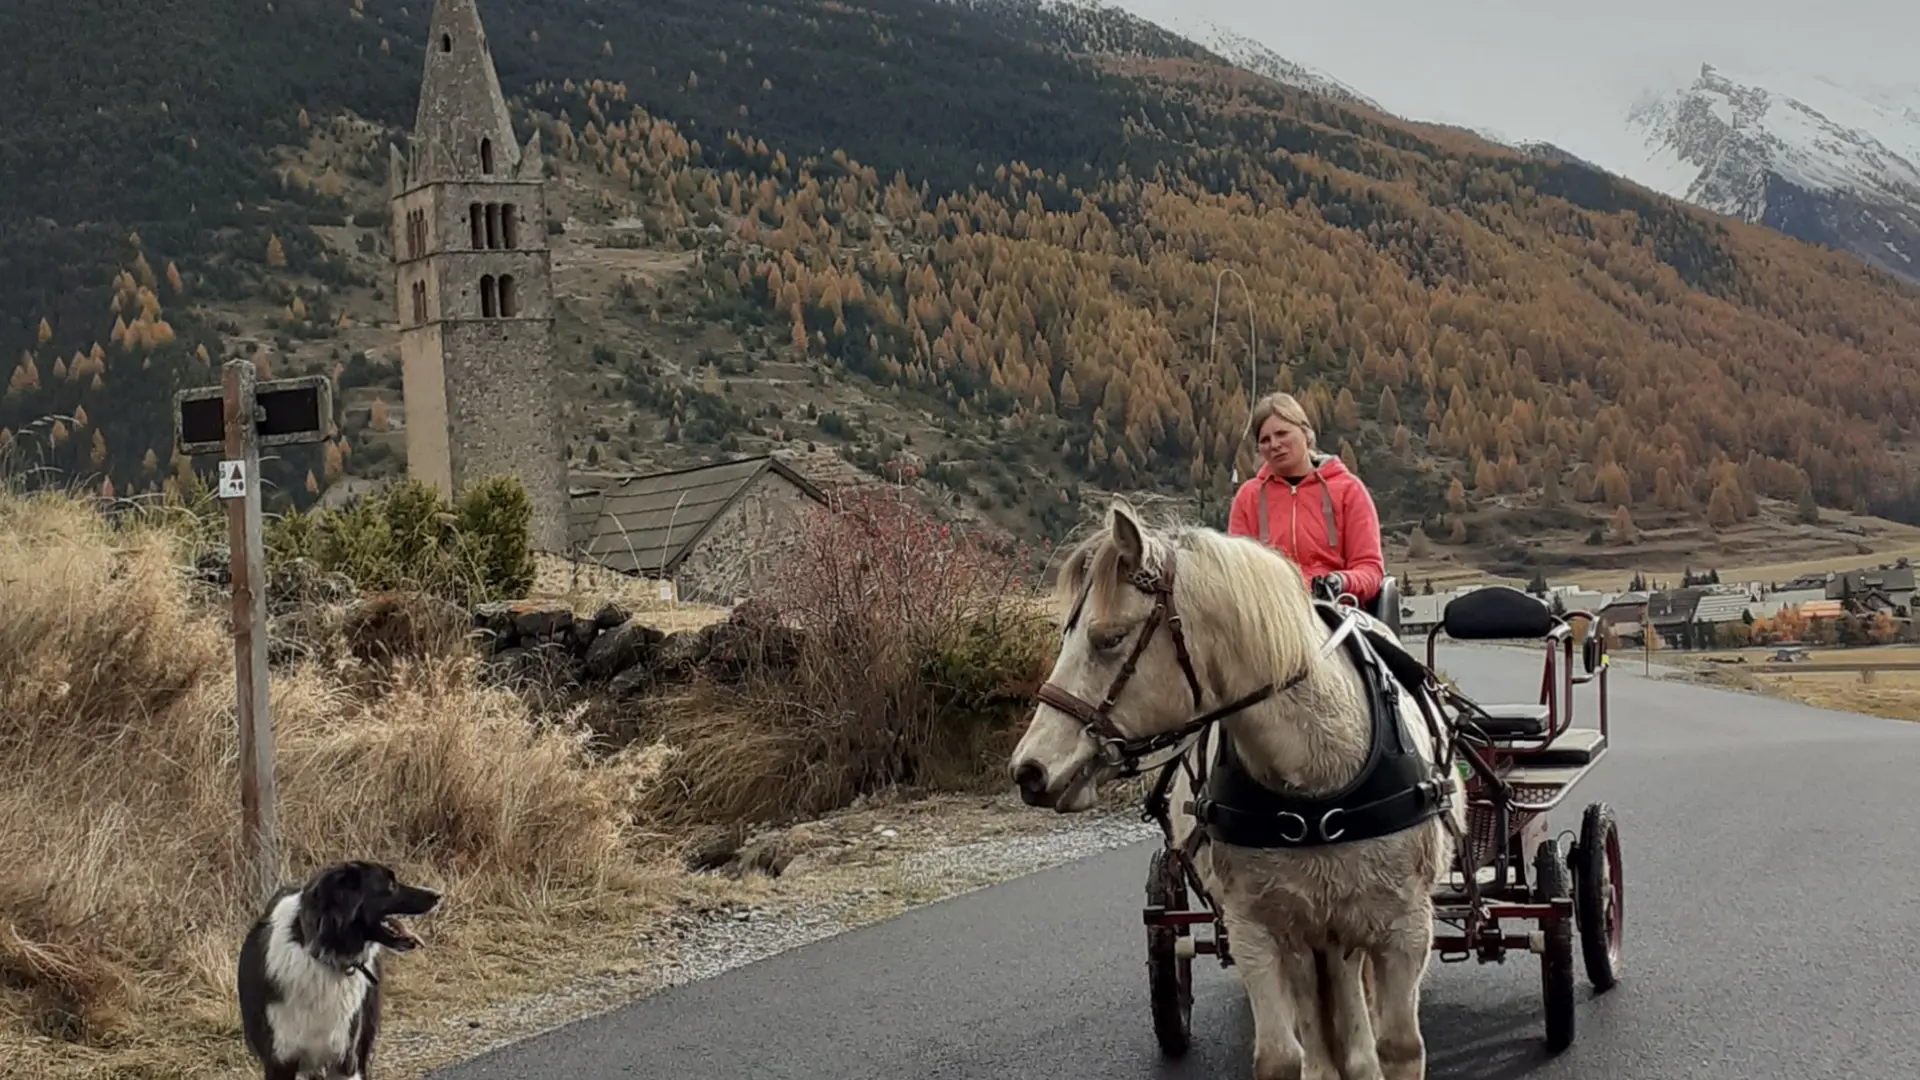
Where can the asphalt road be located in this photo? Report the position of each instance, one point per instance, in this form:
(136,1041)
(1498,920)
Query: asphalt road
(1773,930)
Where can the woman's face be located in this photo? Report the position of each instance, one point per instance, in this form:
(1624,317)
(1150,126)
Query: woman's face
(1284,447)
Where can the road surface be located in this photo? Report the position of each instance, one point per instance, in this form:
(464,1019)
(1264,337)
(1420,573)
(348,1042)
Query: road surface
(1773,931)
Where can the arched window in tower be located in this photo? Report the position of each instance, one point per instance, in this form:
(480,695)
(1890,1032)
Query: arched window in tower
(493,225)
(474,225)
(419,302)
(446,42)
(509,227)
(486,156)
(509,297)
(489,306)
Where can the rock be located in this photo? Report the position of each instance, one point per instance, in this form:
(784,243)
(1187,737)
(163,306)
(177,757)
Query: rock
(712,855)
(621,648)
(612,614)
(581,638)
(496,618)
(539,619)
(633,682)
(681,654)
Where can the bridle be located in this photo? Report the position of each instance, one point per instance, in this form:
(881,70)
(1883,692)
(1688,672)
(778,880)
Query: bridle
(1115,748)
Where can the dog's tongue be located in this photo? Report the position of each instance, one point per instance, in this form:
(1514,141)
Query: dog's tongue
(401,931)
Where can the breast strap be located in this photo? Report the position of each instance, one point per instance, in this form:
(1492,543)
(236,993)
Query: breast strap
(1395,790)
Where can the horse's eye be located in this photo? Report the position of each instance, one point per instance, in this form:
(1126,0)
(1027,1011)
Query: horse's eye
(1106,638)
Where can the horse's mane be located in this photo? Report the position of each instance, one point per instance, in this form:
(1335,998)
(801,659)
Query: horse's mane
(1262,616)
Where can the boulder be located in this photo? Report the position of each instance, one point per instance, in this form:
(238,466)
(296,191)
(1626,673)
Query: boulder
(622,647)
(541,619)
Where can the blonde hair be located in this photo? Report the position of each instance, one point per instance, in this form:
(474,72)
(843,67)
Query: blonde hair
(1286,407)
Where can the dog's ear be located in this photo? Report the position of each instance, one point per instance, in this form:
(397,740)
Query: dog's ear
(333,903)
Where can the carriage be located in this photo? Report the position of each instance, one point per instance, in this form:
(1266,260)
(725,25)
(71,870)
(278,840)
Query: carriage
(1519,763)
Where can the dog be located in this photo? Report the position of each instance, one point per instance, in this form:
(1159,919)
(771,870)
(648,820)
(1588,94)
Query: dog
(309,971)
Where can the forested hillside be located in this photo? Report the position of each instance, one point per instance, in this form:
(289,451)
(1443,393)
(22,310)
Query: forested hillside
(1005,219)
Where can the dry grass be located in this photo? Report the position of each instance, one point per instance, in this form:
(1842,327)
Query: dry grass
(1863,689)
(119,918)
(1892,694)
(1867,656)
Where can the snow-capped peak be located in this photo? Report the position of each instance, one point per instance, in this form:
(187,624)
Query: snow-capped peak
(1242,51)
(1734,132)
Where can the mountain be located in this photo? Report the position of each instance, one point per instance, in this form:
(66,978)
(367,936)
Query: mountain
(1801,155)
(969,246)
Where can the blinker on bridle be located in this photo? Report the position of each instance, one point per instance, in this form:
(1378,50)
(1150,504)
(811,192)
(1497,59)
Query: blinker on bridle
(1114,747)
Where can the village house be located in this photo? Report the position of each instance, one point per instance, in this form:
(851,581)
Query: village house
(711,532)
(1887,588)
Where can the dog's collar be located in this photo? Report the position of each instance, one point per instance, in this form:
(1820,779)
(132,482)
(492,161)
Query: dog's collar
(363,969)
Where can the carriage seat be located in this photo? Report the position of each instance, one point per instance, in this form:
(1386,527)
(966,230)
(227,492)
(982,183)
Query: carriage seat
(1497,613)
(1518,721)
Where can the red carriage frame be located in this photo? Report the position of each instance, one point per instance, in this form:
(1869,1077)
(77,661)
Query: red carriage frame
(1519,762)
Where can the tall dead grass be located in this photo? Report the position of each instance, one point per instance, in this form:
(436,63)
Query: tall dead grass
(120,913)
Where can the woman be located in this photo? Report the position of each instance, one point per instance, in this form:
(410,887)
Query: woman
(1308,506)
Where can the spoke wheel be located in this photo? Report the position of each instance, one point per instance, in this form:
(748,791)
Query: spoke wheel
(1169,975)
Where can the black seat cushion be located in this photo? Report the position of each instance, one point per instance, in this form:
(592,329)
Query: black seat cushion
(1496,613)
(1525,720)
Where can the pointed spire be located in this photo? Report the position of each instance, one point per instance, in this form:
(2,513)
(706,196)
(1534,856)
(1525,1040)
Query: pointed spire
(396,172)
(462,117)
(533,164)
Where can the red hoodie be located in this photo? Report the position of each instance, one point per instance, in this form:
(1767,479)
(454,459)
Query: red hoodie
(1300,518)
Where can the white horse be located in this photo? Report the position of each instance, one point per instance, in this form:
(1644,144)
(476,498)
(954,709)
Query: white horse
(1332,940)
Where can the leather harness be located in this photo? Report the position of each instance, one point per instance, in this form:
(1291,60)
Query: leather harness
(1394,790)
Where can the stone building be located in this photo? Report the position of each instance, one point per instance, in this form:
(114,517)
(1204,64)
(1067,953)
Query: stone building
(473,283)
(714,531)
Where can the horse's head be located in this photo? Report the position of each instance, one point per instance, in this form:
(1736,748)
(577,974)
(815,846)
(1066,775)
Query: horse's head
(1128,670)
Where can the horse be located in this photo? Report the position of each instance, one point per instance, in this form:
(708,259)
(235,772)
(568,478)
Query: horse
(1332,933)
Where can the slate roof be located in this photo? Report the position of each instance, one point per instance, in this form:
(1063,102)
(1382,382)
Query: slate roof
(1673,607)
(649,524)
(1720,608)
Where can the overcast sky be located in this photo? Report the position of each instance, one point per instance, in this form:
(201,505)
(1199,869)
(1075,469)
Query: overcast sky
(1552,69)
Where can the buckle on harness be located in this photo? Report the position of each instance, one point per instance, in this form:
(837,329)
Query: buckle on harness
(1286,816)
(1330,837)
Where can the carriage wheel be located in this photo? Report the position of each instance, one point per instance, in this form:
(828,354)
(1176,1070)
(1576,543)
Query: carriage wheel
(1169,975)
(1556,960)
(1599,895)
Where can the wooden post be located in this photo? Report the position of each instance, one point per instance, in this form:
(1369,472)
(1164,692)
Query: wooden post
(246,546)
(235,420)
(1646,638)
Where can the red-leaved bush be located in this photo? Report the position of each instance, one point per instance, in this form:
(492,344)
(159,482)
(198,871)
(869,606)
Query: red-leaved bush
(919,648)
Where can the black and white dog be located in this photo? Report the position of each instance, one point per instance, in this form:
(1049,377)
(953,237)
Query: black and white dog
(309,977)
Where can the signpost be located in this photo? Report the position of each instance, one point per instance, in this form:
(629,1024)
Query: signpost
(236,419)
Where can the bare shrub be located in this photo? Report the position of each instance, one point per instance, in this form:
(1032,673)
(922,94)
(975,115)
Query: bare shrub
(919,647)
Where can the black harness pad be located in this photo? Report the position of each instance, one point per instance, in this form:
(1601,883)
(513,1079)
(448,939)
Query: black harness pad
(1395,790)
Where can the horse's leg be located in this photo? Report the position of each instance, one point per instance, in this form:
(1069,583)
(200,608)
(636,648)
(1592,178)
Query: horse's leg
(1350,1015)
(1400,963)
(1270,974)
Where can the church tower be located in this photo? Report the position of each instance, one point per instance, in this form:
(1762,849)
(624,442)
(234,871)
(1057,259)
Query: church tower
(473,282)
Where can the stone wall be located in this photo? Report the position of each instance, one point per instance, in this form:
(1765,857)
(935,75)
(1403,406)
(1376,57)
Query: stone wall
(747,542)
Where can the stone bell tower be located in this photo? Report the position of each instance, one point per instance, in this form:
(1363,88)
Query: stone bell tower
(473,281)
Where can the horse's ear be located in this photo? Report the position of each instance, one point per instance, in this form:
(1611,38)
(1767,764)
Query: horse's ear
(1128,535)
